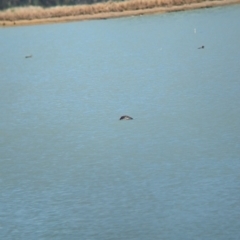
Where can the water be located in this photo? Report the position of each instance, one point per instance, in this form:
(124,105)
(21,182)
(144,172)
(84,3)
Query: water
(71,170)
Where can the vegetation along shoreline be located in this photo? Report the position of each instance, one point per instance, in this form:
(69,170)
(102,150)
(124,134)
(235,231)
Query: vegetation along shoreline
(32,15)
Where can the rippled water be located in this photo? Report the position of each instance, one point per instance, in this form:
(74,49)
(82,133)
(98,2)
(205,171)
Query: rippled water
(69,169)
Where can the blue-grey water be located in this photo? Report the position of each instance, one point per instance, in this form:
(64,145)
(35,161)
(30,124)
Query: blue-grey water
(69,169)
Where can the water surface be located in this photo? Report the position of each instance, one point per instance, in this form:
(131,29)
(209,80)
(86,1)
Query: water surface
(71,170)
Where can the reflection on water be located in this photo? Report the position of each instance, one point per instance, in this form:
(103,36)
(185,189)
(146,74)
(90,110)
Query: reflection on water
(71,170)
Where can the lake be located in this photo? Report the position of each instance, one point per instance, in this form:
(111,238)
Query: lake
(69,169)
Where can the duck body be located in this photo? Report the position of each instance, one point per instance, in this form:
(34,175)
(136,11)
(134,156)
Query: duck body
(125,117)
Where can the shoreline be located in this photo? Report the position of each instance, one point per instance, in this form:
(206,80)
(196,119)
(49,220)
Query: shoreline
(117,14)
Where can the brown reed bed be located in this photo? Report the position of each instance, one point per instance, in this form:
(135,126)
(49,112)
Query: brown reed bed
(107,9)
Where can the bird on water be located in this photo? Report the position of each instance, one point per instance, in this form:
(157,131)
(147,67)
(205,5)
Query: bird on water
(201,47)
(125,117)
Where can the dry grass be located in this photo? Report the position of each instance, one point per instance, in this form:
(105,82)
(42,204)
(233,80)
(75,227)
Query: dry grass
(110,8)
(29,13)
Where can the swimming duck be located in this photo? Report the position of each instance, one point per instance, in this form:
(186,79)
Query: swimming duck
(125,117)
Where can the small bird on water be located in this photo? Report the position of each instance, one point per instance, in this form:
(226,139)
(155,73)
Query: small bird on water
(201,47)
(29,56)
(125,117)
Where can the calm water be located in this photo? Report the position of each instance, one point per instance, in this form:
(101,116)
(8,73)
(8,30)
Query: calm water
(69,169)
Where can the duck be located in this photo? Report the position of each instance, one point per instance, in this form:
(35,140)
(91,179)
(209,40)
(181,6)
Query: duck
(201,47)
(29,56)
(125,117)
